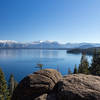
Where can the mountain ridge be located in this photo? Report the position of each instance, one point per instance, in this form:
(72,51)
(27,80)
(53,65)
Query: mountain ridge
(45,44)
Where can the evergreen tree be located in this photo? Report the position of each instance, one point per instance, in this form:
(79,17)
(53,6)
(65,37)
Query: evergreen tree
(75,70)
(3,86)
(12,84)
(69,71)
(58,68)
(83,66)
(95,66)
(40,66)
(15,84)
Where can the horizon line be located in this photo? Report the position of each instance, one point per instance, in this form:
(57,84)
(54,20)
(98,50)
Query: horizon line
(48,41)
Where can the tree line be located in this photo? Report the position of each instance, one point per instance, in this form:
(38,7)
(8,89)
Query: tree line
(85,68)
(6,90)
(88,51)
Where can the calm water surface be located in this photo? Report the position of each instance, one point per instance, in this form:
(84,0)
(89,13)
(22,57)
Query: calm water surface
(22,62)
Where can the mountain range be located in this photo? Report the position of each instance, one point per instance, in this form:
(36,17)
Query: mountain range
(45,45)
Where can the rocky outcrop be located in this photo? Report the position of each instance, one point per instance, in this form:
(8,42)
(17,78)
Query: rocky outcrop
(48,84)
(36,84)
(79,87)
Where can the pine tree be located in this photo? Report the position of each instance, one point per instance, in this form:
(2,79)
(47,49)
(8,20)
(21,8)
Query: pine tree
(83,66)
(75,70)
(58,68)
(3,86)
(15,84)
(95,66)
(40,66)
(69,71)
(12,84)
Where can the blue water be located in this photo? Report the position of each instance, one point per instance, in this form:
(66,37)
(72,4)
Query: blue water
(22,62)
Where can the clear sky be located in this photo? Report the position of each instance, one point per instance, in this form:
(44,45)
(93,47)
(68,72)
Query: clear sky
(58,20)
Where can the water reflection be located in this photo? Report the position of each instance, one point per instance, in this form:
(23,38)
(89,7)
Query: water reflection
(10,53)
(21,62)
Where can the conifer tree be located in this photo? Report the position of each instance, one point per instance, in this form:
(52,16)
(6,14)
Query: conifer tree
(95,66)
(15,84)
(58,68)
(75,70)
(12,84)
(3,86)
(69,71)
(83,66)
(40,66)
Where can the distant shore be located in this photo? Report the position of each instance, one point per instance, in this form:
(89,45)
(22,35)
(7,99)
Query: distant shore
(39,48)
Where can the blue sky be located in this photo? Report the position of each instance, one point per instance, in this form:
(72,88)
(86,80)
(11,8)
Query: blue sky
(58,20)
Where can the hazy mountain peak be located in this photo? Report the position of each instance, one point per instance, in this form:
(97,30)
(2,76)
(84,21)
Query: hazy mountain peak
(45,44)
(8,41)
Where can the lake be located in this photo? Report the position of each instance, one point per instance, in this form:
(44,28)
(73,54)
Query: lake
(21,62)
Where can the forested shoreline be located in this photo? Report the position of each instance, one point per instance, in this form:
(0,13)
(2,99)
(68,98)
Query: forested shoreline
(88,51)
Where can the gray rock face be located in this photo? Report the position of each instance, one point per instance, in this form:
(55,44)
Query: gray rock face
(48,84)
(36,84)
(79,87)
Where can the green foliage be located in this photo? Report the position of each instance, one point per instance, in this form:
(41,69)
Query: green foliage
(40,66)
(95,66)
(83,66)
(12,84)
(15,84)
(69,71)
(3,86)
(88,51)
(5,94)
(58,68)
(75,70)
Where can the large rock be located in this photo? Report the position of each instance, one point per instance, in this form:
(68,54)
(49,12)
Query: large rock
(79,87)
(36,84)
(48,84)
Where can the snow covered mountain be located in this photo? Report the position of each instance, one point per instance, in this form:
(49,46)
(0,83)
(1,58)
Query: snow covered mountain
(82,45)
(36,44)
(45,45)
